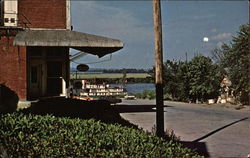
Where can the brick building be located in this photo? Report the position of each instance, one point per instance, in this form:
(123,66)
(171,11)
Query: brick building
(35,37)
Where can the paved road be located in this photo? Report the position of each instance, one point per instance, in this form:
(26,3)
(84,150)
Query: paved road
(220,132)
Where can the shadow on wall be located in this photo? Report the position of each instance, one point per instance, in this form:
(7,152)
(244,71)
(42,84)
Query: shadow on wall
(8,99)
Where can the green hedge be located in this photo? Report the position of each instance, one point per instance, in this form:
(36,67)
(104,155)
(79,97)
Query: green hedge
(147,94)
(26,135)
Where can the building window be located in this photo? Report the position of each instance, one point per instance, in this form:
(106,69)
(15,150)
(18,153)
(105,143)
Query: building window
(12,20)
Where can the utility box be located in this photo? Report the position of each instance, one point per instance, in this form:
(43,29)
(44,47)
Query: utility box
(9,11)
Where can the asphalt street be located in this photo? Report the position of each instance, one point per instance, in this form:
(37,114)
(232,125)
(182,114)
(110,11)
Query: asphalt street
(216,131)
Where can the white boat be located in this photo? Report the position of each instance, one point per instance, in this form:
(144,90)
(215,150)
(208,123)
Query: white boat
(85,88)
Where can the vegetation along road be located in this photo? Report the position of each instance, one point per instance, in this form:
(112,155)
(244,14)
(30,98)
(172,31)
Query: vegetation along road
(221,132)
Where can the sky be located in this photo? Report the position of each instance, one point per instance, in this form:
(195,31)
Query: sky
(188,27)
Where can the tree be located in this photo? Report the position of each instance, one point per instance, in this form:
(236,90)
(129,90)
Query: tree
(174,80)
(203,78)
(236,58)
(197,79)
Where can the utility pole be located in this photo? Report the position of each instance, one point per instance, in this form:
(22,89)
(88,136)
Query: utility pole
(158,68)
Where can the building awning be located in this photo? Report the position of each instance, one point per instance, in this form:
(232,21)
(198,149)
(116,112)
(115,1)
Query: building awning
(88,43)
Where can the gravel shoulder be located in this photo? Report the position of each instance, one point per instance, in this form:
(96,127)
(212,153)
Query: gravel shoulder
(220,105)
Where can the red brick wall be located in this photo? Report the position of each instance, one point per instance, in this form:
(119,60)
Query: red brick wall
(43,13)
(13,66)
(50,14)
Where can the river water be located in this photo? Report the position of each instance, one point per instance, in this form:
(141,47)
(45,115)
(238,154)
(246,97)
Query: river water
(134,88)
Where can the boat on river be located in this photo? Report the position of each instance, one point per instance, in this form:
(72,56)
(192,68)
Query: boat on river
(84,90)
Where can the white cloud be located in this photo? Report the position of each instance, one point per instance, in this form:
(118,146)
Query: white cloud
(205,39)
(198,17)
(221,36)
(214,30)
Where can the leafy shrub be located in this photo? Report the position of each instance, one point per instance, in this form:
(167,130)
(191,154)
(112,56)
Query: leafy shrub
(48,136)
(147,94)
(196,79)
(168,134)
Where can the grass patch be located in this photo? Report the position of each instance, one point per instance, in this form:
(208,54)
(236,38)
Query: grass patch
(28,135)
(146,94)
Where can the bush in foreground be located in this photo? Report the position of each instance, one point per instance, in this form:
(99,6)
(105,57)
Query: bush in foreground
(48,136)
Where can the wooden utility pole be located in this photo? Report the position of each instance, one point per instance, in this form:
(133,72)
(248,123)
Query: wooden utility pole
(158,68)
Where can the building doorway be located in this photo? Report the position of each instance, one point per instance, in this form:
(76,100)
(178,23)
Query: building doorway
(35,73)
(47,72)
(54,78)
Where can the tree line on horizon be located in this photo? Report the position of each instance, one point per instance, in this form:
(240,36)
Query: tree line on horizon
(123,70)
